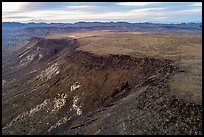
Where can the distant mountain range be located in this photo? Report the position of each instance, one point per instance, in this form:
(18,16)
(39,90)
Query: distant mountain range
(92,24)
(11,30)
(10,27)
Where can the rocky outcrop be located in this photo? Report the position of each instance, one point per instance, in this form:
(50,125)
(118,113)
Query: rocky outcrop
(84,93)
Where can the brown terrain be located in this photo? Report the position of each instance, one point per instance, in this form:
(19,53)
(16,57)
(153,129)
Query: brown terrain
(104,82)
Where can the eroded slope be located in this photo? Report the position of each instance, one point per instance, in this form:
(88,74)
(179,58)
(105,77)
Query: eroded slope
(73,91)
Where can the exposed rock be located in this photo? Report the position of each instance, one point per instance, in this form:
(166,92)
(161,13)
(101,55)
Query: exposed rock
(117,94)
(75,86)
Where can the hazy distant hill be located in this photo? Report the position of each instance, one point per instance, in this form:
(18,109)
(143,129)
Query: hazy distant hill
(92,24)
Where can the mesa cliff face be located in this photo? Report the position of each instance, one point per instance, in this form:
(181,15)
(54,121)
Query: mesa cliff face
(55,88)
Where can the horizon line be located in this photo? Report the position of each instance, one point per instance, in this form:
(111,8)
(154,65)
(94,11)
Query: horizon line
(100,22)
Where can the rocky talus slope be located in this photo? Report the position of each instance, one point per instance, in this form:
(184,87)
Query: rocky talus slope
(54,88)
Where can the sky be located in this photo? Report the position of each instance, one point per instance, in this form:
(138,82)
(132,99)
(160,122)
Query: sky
(70,12)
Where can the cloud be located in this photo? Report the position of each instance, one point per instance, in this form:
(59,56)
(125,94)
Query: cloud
(16,17)
(193,10)
(123,11)
(136,3)
(160,18)
(12,6)
(149,9)
(197,4)
(81,7)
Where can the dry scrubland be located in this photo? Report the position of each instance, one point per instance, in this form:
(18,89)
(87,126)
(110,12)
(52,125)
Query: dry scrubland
(184,48)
